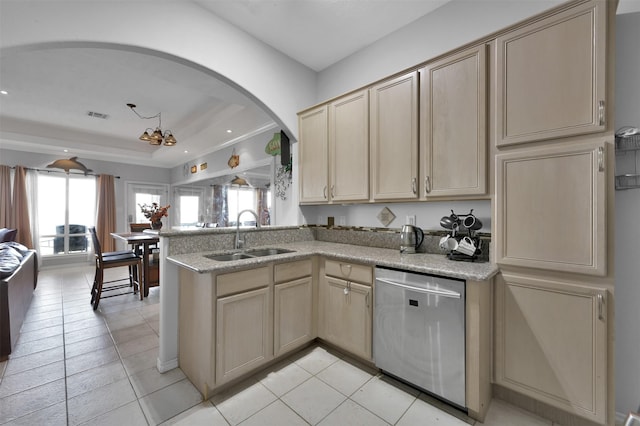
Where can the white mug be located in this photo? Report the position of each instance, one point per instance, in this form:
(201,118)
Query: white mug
(448,243)
(466,246)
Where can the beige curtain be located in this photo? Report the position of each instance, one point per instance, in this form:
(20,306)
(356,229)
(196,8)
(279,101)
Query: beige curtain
(5,197)
(20,218)
(106,212)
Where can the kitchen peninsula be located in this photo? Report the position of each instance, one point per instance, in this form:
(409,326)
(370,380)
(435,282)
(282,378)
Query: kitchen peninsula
(221,321)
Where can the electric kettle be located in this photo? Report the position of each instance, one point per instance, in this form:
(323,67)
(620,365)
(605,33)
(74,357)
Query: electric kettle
(410,238)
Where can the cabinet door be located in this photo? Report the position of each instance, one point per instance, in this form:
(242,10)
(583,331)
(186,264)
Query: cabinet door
(349,148)
(550,208)
(243,338)
(347,316)
(314,156)
(394,138)
(292,315)
(453,152)
(551,343)
(551,76)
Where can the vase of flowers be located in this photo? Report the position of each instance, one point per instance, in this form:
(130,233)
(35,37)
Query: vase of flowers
(154,212)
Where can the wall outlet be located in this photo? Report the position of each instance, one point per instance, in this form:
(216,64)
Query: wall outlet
(342,220)
(411,220)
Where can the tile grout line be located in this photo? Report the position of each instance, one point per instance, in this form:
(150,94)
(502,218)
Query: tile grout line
(64,354)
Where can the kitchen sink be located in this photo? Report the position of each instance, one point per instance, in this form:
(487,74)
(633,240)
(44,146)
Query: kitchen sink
(267,252)
(249,254)
(229,256)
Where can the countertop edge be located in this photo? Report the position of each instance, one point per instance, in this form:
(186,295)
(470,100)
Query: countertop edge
(434,264)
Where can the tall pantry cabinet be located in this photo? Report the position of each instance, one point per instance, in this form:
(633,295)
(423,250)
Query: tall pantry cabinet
(553,204)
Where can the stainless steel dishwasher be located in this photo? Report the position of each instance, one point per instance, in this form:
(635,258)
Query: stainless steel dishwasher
(419,331)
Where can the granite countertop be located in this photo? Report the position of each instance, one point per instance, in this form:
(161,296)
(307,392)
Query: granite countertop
(436,264)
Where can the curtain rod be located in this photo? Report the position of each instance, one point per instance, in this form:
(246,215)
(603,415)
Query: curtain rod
(58,171)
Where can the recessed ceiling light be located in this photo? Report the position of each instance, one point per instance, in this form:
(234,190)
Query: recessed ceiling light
(65,150)
(3,92)
(229,131)
(186,152)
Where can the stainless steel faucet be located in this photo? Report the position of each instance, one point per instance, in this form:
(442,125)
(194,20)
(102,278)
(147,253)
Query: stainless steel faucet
(240,243)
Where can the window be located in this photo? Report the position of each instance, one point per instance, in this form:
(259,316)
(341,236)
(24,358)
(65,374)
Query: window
(139,193)
(189,205)
(66,209)
(142,199)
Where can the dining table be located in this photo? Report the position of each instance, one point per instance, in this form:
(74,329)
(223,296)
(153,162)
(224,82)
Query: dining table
(144,240)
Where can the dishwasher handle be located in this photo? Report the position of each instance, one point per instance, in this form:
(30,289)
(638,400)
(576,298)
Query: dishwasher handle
(443,293)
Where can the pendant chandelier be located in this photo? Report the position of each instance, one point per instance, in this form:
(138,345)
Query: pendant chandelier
(157,136)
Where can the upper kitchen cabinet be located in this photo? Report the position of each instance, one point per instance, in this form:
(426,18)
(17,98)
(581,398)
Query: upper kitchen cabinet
(453,152)
(551,76)
(334,151)
(551,206)
(314,156)
(394,138)
(349,148)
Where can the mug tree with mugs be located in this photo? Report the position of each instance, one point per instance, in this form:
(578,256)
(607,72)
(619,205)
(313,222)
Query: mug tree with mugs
(461,247)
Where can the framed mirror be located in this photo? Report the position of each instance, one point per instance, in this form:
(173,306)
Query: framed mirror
(216,202)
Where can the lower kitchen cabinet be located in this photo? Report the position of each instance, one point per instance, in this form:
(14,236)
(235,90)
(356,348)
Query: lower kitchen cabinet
(294,310)
(346,312)
(293,315)
(348,316)
(551,343)
(243,333)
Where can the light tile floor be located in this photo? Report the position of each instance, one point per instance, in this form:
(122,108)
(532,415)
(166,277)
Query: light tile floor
(75,366)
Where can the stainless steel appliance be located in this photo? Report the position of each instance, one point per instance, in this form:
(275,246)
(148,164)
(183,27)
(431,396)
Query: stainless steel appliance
(419,331)
(410,238)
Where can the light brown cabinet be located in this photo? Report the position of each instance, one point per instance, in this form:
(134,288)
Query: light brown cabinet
(243,333)
(551,343)
(453,152)
(346,307)
(349,148)
(293,306)
(233,323)
(334,151)
(394,138)
(314,156)
(551,208)
(243,322)
(551,76)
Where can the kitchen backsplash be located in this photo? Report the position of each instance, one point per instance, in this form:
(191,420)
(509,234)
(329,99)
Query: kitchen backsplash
(390,238)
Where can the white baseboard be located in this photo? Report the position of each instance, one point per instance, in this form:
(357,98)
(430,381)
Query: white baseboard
(163,367)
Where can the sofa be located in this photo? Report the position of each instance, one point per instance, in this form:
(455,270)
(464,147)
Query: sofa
(18,279)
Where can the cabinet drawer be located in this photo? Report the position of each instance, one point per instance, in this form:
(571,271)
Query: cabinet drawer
(349,271)
(236,282)
(292,270)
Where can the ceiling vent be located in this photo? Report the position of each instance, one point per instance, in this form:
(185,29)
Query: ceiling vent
(97,115)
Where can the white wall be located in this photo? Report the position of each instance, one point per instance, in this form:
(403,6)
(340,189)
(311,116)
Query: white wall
(450,26)
(428,214)
(627,234)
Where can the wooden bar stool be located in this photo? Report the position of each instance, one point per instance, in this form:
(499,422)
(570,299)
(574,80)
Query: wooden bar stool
(114,260)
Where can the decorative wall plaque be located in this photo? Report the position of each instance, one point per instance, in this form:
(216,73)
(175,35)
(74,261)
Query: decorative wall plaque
(386,216)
